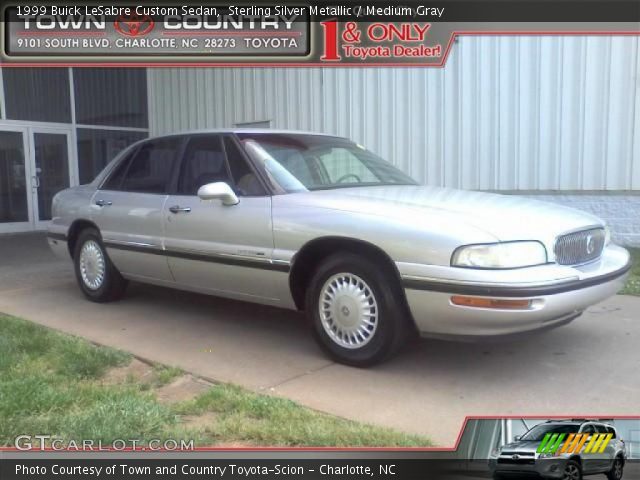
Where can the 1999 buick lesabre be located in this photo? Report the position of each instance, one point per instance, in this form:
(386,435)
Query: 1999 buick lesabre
(318,223)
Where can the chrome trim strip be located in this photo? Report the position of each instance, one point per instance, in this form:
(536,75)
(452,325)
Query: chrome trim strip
(221,258)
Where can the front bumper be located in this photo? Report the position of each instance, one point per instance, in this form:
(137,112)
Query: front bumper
(541,468)
(557,295)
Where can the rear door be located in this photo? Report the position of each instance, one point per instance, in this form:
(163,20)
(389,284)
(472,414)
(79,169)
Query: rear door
(606,454)
(219,248)
(129,206)
(589,462)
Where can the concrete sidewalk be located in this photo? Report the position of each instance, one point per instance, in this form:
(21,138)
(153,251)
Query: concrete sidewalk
(587,368)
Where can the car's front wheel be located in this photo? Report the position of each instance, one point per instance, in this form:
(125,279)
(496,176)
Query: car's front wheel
(617,469)
(357,310)
(572,471)
(97,277)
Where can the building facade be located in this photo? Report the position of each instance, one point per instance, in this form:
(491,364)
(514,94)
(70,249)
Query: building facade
(59,127)
(556,118)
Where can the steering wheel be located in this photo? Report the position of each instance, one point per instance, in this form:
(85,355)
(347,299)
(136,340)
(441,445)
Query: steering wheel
(349,175)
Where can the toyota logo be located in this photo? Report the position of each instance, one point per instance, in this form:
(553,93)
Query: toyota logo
(134,25)
(591,244)
(515,456)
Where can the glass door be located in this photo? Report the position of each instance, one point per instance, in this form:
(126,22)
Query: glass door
(15,187)
(51,170)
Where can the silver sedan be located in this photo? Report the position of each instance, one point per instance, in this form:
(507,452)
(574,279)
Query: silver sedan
(318,223)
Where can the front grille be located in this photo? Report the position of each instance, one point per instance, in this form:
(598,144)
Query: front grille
(516,461)
(580,247)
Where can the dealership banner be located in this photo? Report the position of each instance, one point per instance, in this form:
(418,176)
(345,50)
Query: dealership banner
(291,34)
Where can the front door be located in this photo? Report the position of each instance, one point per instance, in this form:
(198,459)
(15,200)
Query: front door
(35,164)
(217,248)
(15,180)
(51,170)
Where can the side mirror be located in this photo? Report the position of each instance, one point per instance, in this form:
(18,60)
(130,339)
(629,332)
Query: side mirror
(218,191)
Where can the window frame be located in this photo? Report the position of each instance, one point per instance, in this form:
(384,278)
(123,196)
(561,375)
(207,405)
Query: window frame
(233,184)
(183,155)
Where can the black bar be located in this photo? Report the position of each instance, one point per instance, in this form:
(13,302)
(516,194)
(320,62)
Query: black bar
(454,10)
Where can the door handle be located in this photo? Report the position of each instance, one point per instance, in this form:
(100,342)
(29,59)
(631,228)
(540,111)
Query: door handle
(103,203)
(36,181)
(179,209)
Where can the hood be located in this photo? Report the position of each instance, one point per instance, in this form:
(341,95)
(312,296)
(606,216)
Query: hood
(521,447)
(506,217)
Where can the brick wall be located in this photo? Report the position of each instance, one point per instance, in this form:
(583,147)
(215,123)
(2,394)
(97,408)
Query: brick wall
(620,211)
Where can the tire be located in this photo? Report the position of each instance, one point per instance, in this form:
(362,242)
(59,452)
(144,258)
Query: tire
(617,470)
(359,297)
(97,277)
(572,471)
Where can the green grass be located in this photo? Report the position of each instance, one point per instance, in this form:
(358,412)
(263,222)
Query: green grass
(633,284)
(52,384)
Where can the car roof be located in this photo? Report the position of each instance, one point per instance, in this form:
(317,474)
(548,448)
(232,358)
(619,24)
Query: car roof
(244,130)
(578,422)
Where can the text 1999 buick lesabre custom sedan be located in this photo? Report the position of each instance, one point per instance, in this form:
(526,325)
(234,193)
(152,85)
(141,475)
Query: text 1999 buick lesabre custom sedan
(318,223)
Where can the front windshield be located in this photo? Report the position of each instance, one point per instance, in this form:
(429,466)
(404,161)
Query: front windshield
(300,162)
(537,433)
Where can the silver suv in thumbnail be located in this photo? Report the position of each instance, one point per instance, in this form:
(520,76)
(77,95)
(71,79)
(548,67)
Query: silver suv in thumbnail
(567,449)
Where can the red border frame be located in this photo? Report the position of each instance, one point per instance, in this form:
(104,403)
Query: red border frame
(452,38)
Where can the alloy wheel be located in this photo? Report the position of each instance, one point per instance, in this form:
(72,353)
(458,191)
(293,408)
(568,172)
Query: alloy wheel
(572,472)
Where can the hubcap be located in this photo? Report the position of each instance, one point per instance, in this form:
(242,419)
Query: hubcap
(92,265)
(348,310)
(571,473)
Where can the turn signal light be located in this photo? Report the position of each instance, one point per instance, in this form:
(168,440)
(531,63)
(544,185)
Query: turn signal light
(499,304)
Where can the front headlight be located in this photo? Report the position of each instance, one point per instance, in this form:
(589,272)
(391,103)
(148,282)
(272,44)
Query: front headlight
(546,455)
(500,255)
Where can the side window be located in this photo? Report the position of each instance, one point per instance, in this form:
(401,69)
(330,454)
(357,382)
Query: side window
(247,183)
(115,177)
(150,169)
(203,163)
(601,429)
(612,431)
(588,429)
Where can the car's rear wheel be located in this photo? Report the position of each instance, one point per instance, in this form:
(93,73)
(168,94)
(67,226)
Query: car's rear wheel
(97,277)
(358,314)
(617,469)
(572,471)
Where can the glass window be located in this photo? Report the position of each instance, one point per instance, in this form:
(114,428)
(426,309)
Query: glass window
(13,188)
(295,162)
(37,94)
(538,432)
(150,169)
(114,182)
(111,96)
(247,183)
(52,167)
(96,148)
(203,163)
